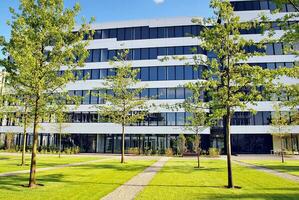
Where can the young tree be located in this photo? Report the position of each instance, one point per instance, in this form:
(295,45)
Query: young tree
(42,40)
(181,144)
(229,83)
(280,127)
(123,106)
(197,121)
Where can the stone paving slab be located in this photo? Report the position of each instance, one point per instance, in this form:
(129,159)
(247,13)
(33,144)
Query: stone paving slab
(51,168)
(131,188)
(270,171)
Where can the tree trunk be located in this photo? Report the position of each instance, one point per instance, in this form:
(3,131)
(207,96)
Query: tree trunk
(228,151)
(32,178)
(24,137)
(281,148)
(60,140)
(123,144)
(198,163)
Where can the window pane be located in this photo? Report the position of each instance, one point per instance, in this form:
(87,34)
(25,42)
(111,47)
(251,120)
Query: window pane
(144,53)
(145,32)
(85,96)
(111,72)
(170,73)
(162,93)
(144,93)
(179,51)
(152,119)
(105,33)
(128,34)
(187,31)
(162,51)
(112,33)
(153,73)
(264,5)
(97,34)
(269,49)
(144,73)
(104,55)
(180,119)
(170,32)
(87,74)
(153,33)
(170,50)
(278,49)
(95,74)
(162,73)
(103,73)
(171,93)
(96,55)
(178,31)
(188,93)
(94,97)
(136,54)
(180,93)
(153,93)
(89,58)
(179,73)
(153,53)
(120,34)
(161,32)
(170,119)
(161,117)
(188,72)
(111,54)
(137,34)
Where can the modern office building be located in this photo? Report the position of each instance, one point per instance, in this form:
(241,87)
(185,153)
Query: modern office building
(149,41)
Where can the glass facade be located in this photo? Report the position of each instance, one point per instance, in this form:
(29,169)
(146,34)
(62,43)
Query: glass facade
(261,5)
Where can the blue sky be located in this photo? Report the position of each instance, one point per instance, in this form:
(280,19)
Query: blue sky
(116,10)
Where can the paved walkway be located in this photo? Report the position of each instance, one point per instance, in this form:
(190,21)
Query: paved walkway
(51,168)
(270,171)
(130,189)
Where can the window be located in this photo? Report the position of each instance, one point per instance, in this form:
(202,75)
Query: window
(94,97)
(152,119)
(179,74)
(170,32)
(162,73)
(153,53)
(180,93)
(278,49)
(145,33)
(103,73)
(153,93)
(153,33)
(97,34)
(113,33)
(153,73)
(104,55)
(179,50)
(187,31)
(120,34)
(144,73)
(180,119)
(161,117)
(111,72)
(162,51)
(86,97)
(89,58)
(171,93)
(188,93)
(171,119)
(95,74)
(137,33)
(197,72)
(128,34)
(264,5)
(136,54)
(144,93)
(111,54)
(80,74)
(144,53)
(170,50)
(161,32)
(101,100)
(96,56)
(170,73)
(269,49)
(178,31)
(105,33)
(188,75)
(87,74)
(162,93)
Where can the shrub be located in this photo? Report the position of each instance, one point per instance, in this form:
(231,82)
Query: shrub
(134,151)
(154,152)
(214,152)
(169,152)
(148,152)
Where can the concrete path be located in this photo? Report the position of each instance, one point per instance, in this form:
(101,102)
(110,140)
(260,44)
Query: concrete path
(51,168)
(130,189)
(270,171)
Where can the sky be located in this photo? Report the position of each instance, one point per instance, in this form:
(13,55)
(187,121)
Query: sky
(119,10)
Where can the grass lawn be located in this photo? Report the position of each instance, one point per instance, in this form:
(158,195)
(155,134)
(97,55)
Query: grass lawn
(11,162)
(180,180)
(289,166)
(90,181)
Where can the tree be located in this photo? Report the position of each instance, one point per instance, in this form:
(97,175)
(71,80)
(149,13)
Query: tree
(280,127)
(229,82)
(197,121)
(25,125)
(42,40)
(123,105)
(181,144)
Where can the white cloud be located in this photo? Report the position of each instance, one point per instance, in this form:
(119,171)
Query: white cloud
(159,1)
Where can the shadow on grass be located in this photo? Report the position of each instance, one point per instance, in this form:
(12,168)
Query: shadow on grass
(253,195)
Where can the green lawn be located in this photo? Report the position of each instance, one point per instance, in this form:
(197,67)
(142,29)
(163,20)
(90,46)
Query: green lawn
(11,162)
(290,166)
(180,180)
(91,181)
